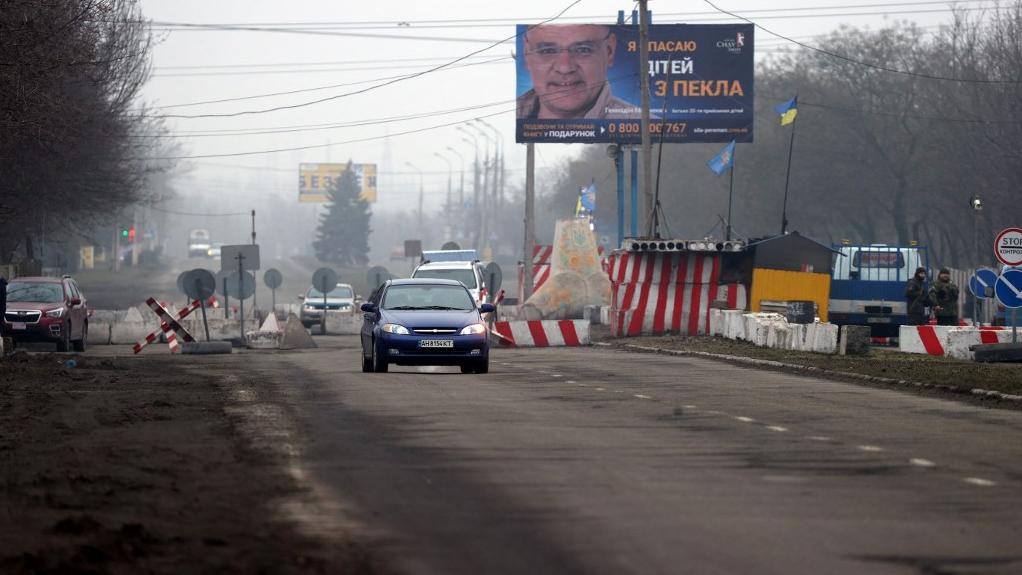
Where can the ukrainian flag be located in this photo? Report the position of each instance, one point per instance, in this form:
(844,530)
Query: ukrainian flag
(787,111)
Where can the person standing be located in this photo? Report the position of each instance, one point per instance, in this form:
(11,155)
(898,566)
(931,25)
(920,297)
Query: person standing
(917,298)
(944,295)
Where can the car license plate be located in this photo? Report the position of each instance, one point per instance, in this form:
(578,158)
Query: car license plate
(18,325)
(878,320)
(436,343)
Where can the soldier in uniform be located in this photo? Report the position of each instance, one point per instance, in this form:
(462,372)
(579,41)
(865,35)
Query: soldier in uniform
(944,295)
(917,297)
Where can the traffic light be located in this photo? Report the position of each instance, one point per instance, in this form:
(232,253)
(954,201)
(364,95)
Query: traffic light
(124,233)
(131,234)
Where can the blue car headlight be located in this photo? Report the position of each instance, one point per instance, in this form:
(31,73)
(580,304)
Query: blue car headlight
(474,329)
(394,328)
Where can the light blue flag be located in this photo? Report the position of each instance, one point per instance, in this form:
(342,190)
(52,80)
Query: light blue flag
(723,161)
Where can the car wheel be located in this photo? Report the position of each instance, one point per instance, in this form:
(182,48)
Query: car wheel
(65,338)
(467,368)
(379,364)
(483,366)
(80,344)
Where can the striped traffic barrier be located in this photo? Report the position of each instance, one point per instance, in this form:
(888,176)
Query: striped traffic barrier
(934,339)
(543,333)
(168,325)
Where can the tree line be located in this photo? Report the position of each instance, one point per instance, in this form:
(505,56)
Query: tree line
(73,136)
(897,129)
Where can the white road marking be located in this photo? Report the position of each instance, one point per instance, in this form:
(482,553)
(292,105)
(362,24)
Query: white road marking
(921,462)
(619,391)
(571,381)
(640,396)
(745,419)
(689,407)
(556,375)
(777,428)
(715,412)
(980,481)
(818,438)
(600,389)
(870,448)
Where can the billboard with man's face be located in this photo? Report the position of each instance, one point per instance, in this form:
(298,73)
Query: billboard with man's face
(579,83)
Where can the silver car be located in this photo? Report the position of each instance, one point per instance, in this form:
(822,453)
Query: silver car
(340,301)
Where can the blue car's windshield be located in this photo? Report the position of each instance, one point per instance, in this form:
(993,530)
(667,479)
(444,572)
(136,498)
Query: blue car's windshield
(32,292)
(431,297)
(465,276)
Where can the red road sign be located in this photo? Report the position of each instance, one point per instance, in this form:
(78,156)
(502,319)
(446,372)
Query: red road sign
(1008,247)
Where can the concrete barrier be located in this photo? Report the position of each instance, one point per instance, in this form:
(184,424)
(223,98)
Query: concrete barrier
(544,333)
(130,328)
(773,330)
(960,340)
(933,339)
(99,333)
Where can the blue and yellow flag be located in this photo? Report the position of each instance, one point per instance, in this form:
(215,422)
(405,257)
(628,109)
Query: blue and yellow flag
(787,111)
(588,197)
(723,161)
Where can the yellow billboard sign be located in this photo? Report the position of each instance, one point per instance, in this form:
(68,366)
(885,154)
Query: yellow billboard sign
(315,181)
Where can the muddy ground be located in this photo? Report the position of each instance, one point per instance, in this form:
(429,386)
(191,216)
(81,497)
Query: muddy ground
(121,466)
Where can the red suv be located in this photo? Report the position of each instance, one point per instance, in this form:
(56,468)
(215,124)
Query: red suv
(47,309)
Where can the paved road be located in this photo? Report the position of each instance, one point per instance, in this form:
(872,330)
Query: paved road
(601,461)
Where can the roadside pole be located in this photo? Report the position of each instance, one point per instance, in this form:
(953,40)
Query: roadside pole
(241,300)
(255,300)
(647,141)
(530,224)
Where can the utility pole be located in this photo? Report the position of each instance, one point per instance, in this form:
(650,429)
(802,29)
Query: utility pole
(647,141)
(255,300)
(530,223)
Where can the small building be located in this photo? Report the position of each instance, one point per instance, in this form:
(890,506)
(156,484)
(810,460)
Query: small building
(789,267)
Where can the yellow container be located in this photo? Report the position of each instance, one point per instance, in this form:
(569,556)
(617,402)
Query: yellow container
(778,285)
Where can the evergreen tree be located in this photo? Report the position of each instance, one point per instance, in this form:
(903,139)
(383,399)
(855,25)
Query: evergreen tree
(343,232)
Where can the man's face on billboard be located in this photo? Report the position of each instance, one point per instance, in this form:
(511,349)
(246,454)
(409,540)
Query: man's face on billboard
(568,65)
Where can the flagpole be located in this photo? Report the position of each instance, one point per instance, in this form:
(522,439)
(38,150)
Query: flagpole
(731,191)
(787,178)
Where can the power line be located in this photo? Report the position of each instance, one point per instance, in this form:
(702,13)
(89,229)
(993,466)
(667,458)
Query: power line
(859,62)
(320,63)
(176,213)
(367,89)
(494,60)
(495,22)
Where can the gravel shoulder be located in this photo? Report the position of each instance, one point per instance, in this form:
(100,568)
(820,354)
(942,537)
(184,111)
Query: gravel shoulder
(124,465)
(934,373)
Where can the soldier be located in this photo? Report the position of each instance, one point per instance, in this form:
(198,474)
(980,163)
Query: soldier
(944,295)
(917,298)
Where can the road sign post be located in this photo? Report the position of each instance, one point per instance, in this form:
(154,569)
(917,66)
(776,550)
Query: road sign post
(1009,293)
(325,280)
(273,279)
(981,284)
(199,285)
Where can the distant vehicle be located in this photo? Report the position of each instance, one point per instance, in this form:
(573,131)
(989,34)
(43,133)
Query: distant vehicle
(199,244)
(47,309)
(460,265)
(868,285)
(214,251)
(424,322)
(340,301)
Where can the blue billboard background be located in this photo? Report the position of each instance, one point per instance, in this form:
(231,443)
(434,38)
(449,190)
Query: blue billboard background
(701,88)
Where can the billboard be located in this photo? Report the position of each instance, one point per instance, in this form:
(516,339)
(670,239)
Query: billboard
(315,180)
(579,83)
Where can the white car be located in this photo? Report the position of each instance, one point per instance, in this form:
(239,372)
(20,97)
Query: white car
(460,265)
(340,301)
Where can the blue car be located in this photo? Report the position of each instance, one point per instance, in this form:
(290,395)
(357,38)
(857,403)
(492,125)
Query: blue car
(424,322)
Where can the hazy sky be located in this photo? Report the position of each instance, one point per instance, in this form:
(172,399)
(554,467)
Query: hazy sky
(360,44)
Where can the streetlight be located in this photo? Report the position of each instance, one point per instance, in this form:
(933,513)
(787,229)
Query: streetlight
(461,187)
(498,165)
(450,169)
(484,228)
(412,166)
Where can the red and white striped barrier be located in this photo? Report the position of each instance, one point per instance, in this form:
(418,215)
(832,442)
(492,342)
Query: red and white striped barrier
(934,339)
(543,333)
(168,325)
(657,293)
(959,341)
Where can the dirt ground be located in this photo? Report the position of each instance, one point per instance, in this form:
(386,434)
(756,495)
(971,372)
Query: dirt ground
(885,363)
(121,466)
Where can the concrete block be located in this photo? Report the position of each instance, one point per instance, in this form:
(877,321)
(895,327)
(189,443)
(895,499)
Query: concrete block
(604,314)
(295,335)
(591,313)
(99,333)
(999,352)
(263,339)
(825,338)
(854,340)
(107,316)
(341,325)
(129,332)
(924,339)
(734,324)
(961,341)
(716,322)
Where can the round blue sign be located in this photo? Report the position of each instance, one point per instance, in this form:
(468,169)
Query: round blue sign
(1009,289)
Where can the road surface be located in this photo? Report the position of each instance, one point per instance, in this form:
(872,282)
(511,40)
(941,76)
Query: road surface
(602,461)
